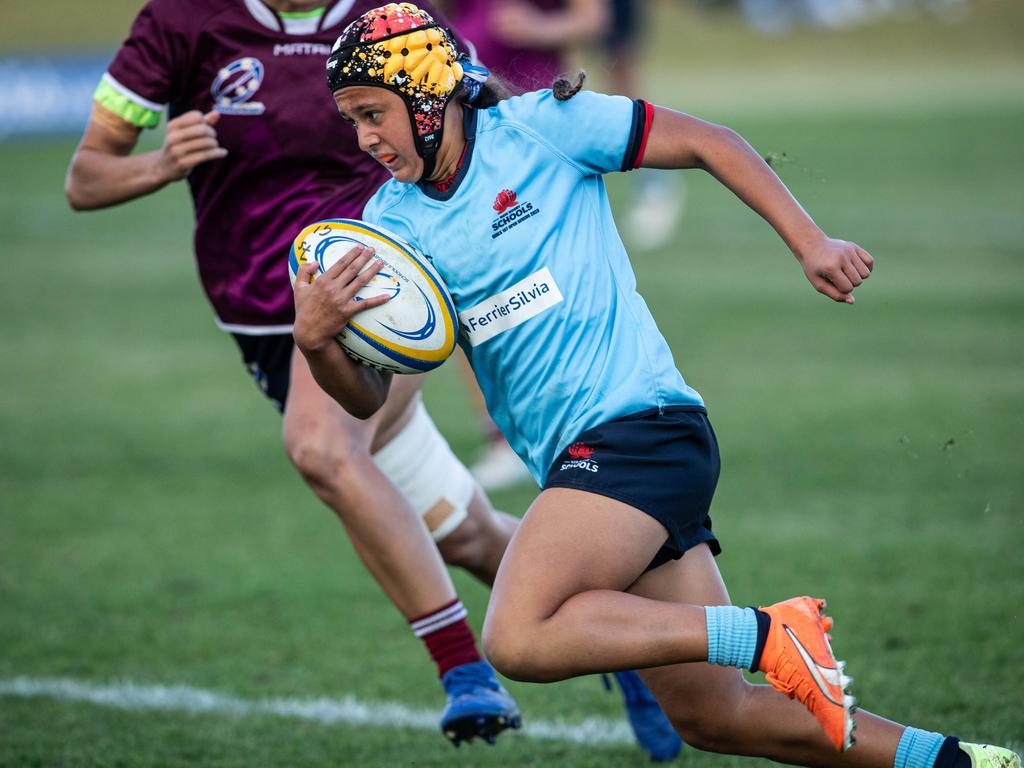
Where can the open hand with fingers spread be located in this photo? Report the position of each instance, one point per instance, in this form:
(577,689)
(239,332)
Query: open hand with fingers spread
(324,307)
(836,267)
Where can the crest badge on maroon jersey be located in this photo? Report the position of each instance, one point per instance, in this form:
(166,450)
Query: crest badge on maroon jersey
(235,85)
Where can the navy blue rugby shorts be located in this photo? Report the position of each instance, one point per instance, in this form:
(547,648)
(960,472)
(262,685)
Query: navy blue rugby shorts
(268,359)
(665,463)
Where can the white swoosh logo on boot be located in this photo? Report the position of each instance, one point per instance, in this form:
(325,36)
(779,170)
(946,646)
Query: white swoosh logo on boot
(823,676)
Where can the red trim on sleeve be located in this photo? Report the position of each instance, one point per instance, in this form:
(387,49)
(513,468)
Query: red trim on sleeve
(648,119)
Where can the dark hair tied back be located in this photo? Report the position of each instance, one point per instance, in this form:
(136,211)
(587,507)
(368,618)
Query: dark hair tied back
(493,90)
(565,90)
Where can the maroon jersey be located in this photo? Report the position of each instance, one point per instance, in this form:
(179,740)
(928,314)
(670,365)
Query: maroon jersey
(291,159)
(527,69)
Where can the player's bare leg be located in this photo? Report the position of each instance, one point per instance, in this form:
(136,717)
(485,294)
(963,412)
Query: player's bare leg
(332,451)
(715,709)
(559,609)
(413,454)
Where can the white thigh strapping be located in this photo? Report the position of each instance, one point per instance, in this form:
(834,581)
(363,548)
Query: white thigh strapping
(420,463)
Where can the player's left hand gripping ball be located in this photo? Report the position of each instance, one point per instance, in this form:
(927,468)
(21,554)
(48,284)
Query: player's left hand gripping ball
(416,330)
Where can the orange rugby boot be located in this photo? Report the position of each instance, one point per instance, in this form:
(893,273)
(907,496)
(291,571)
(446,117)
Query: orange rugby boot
(797,660)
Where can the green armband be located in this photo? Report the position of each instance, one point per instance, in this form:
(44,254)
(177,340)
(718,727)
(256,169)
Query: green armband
(121,105)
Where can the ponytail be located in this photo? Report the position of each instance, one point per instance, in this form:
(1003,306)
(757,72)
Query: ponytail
(495,89)
(564,90)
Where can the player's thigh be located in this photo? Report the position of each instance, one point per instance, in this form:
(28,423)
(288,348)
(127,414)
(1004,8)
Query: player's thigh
(619,494)
(312,418)
(571,541)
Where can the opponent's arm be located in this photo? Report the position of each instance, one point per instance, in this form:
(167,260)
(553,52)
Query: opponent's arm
(322,309)
(521,25)
(104,171)
(833,267)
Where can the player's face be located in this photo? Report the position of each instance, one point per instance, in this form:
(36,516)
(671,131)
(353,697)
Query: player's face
(382,124)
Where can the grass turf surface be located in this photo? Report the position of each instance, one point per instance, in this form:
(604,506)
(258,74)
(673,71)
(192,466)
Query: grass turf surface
(152,530)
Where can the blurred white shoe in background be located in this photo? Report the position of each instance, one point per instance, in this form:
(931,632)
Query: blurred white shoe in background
(658,203)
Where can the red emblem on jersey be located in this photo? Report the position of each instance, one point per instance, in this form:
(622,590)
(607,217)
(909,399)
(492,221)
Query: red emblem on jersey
(580,451)
(506,199)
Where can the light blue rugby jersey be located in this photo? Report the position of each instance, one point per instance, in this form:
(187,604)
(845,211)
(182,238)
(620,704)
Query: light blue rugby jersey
(524,238)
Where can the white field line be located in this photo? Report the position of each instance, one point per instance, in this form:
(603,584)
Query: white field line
(347,710)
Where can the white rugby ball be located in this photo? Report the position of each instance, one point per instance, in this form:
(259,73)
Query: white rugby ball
(413,332)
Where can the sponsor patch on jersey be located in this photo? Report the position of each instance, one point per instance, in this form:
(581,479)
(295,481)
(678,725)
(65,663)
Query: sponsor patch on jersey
(235,85)
(511,212)
(528,298)
(302,49)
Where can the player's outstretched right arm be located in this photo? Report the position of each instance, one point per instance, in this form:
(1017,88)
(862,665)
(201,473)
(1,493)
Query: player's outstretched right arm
(833,267)
(322,309)
(104,171)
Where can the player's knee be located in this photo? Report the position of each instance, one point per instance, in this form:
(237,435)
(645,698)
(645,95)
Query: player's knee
(320,458)
(508,654)
(512,648)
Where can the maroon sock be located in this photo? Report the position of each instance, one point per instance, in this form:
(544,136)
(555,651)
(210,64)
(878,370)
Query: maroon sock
(448,638)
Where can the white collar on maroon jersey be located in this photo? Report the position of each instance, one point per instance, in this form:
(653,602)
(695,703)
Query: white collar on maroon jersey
(333,16)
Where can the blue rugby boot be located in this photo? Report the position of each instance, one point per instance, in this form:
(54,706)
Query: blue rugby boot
(651,727)
(477,704)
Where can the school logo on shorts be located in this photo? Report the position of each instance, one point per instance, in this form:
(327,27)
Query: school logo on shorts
(235,85)
(580,457)
(511,212)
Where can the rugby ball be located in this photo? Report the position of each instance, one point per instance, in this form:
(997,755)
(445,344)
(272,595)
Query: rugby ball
(416,330)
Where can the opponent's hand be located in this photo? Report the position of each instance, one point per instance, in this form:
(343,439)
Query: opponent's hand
(324,307)
(516,24)
(191,139)
(836,267)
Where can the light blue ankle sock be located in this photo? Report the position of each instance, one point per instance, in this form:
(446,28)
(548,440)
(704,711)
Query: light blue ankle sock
(918,749)
(732,635)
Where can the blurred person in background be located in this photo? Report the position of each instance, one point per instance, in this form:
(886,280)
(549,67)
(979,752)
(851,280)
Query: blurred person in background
(656,200)
(774,17)
(526,42)
(236,76)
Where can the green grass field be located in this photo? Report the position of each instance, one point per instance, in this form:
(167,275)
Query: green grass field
(152,530)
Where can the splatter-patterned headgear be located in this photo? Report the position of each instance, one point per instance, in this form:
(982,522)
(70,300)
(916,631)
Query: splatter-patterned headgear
(401,48)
